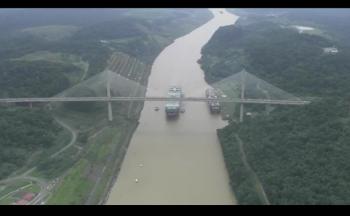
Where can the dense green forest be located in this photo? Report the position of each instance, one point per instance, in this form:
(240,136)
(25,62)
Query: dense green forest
(283,57)
(23,131)
(37,78)
(89,34)
(299,154)
(139,33)
(333,21)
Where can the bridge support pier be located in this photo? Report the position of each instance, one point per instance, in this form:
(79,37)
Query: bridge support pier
(110,114)
(241,111)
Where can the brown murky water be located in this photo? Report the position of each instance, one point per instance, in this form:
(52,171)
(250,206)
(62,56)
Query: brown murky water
(179,161)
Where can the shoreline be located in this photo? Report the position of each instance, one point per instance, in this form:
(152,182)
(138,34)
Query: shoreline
(129,137)
(144,134)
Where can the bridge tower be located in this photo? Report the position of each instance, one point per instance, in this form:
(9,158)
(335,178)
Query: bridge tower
(110,115)
(241,112)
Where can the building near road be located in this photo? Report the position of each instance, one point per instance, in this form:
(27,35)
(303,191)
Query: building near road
(21,202)
(28,196)
(25,199)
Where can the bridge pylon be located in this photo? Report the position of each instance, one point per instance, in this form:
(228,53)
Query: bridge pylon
(110,114)
(241,111)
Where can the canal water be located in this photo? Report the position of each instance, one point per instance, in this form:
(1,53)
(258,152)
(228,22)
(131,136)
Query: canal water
(177,161)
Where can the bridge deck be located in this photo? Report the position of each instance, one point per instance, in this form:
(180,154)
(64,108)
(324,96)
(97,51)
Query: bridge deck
(193,99)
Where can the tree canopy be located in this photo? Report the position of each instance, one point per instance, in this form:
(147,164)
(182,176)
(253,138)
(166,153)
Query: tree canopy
(300,154)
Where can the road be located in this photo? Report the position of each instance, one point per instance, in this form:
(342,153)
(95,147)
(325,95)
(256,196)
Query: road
(258,185)
(43,187)
(72,141)
(192,99)
(43,183)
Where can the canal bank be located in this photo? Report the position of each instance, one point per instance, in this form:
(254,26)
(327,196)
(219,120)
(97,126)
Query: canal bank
(179,161)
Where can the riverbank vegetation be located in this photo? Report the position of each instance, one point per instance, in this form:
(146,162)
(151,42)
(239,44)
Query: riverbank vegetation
(283,57)
(103,143)
(64,51)
(23,132)
(299,154)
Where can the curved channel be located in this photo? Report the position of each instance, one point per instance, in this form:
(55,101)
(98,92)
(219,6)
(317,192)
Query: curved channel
(177,161)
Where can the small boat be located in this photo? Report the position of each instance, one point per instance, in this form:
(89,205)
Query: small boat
(156,108)
(136,180)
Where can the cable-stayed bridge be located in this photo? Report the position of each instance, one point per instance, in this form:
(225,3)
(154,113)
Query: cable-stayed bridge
(246,83)
(191,99)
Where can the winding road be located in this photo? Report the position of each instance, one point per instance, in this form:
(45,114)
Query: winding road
(72,141)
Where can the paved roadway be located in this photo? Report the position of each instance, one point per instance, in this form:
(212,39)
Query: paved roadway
(193,99)
(42,183)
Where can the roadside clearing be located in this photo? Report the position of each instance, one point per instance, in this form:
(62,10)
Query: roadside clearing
(258,185)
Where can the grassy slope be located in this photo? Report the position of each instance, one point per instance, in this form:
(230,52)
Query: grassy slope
(62,58)
(104,163)
(79,50)
(69,191)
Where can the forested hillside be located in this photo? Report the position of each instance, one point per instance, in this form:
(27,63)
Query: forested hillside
(45,52)
(37,78)
(23,132)
(334,21)
(139,33)
(299,154)
(283,57)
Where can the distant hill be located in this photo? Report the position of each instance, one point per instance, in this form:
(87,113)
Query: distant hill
(298,154)
(336,21)
(44,52)
(57,52)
